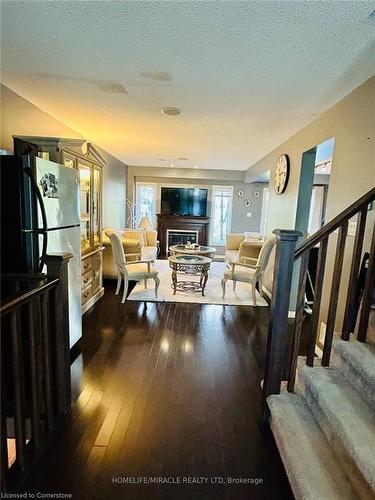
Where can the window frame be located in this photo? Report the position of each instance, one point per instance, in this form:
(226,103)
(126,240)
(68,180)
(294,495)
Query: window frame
(217,187)
(264,211)
(152,216)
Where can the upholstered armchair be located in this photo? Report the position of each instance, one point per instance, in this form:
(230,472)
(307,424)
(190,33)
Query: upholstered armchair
(138,244)
(249,270)
(136,270)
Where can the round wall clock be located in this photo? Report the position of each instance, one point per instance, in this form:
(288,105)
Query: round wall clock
(240,193)
(282,174)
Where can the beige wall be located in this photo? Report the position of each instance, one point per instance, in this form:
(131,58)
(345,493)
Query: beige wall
(21,117)
(352,123)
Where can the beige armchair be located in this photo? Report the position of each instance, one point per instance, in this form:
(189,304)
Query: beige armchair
(239,247)
(130,271)
(139,244)
(250,271)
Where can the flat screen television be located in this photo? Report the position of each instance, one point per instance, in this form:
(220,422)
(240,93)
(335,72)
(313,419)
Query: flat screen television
(183,201)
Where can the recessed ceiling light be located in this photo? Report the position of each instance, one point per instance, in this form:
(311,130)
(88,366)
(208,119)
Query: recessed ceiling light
(170,111)
(172,165)
(195,166)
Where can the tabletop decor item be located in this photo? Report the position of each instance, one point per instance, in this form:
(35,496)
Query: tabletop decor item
(131,221)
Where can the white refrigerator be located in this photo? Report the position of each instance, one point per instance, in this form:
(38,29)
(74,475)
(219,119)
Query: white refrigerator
(60,220)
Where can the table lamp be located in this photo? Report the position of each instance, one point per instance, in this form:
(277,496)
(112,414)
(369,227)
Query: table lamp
(145,223)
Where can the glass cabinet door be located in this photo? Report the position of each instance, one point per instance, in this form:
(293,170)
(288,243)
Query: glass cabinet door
(96,204)
(85,178)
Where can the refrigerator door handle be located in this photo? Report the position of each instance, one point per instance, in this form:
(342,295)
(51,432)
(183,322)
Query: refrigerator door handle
(42,231)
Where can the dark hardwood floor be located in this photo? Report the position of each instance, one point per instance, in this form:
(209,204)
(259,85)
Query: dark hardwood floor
(169,391)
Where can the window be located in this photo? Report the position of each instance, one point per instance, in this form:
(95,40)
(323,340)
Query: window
(145,201)
(221,213)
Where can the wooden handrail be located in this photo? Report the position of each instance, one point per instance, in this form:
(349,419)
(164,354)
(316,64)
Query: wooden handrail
(26,296)
(285,260)
(23,277)
(36,382)
(335,223)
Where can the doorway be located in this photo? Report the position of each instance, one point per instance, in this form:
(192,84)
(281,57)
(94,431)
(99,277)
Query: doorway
(313,188)
(311,206)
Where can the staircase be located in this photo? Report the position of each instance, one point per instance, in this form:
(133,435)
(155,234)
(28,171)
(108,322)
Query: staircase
(323,417)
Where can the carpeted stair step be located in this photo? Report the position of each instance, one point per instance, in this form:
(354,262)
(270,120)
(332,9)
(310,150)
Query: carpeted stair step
(312,468)
(356,361)
(347,421)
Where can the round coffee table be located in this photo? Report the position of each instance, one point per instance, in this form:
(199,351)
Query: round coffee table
(189,264)
(202,250)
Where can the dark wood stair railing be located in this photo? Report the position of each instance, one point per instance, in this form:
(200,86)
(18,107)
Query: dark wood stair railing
(286,256)
(35,381)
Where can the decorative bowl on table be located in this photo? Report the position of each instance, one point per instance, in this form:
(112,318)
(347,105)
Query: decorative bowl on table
(192,246)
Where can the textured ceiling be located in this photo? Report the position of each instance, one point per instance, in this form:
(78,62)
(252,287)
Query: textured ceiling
(246,75)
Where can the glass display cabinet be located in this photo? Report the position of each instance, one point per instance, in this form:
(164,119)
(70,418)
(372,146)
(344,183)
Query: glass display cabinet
(91,174)
(90,166)
(85,198)
(96,205)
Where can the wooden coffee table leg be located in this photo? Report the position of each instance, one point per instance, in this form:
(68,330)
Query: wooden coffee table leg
(174,281)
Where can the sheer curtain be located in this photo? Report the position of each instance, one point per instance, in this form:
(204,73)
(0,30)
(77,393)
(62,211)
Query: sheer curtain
(146,201)
(221,213)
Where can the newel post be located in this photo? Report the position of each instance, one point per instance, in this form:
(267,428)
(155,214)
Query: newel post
(278,326)
(57,267)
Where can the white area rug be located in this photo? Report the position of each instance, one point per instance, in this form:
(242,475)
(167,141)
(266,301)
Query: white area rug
(213,292)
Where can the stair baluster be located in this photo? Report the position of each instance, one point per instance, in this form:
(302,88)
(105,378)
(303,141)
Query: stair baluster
(298,320)
(348,327)
(319,279)
(334,296)
(367,293)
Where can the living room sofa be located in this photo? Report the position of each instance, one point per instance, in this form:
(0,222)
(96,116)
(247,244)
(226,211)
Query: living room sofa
(139,244)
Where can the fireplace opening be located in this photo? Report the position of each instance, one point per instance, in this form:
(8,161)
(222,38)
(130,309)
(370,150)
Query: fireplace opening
(180,237)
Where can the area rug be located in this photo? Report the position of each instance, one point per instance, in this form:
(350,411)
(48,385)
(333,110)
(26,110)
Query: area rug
(241,296)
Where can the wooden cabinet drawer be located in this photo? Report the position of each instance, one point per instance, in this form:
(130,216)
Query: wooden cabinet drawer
(86,293)
(96,262)
(96,283)
(87,278)
(86,265)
